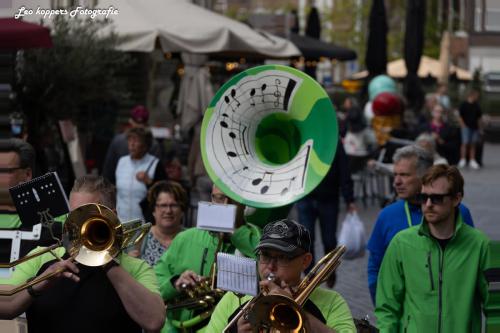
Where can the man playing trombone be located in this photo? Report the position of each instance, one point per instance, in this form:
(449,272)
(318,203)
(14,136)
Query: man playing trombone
(283,253)
(115,297)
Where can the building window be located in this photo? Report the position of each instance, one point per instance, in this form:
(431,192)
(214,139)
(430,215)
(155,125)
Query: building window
(491,22)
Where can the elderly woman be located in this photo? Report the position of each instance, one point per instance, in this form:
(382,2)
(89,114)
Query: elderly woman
(168,202)
(135,173)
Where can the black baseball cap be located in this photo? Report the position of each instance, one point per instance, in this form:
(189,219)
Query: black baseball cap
(286,236)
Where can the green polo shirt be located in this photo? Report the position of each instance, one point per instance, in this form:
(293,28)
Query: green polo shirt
(332,306)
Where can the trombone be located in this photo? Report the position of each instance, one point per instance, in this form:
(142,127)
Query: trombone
(92,236)
(278,313)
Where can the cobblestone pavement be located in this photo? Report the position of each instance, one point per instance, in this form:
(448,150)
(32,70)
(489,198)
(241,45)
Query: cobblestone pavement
(482,193)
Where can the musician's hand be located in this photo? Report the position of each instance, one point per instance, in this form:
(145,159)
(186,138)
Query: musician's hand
(134,253)
(142,176)
(68,270)
(244,325)
(240,215)
(276,288)
(188,278)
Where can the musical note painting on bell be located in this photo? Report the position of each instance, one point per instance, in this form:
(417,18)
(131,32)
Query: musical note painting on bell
(232,131)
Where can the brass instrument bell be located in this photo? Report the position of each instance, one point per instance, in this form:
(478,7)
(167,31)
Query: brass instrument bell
(92,235)
(279,313)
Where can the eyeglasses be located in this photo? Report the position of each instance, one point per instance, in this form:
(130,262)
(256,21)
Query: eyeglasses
(10,170)
(280,260)
(166,206)
(436,199)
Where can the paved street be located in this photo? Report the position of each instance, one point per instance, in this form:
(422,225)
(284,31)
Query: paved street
(482,194)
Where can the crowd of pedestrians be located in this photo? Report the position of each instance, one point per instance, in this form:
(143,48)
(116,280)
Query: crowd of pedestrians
(422,248)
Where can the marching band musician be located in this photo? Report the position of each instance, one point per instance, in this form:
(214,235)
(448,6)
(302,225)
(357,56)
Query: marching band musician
(284,251)
(120,296)
(17,166)
(190,257)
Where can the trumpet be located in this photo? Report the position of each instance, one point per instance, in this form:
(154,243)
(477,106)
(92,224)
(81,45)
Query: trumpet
(203,297)
(279,313)
(93,235)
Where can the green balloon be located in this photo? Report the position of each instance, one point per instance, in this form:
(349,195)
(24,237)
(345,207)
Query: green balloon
(380,84)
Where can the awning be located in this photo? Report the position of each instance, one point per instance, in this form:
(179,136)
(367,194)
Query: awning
(17,34)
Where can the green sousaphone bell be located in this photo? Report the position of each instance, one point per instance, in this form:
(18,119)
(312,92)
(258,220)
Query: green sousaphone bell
(268,138)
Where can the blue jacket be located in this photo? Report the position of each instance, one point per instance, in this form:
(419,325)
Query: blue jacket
(391,220)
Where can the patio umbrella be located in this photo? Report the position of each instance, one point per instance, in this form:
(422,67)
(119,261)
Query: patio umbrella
(444,57)
(413,47)
(429,67)
(313,28)
(312,48)
(17,34)
(195,92)
(376,51)
(180,26)
(313,31)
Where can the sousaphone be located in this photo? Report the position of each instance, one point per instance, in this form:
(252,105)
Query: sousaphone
(269,136)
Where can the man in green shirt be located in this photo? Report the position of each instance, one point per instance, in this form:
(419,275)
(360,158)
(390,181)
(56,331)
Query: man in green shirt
(121,296)
(17,162)
(190,257)
(284,252)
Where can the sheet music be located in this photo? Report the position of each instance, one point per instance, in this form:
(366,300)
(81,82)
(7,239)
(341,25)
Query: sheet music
(40,199)
(216,217)
(237,274)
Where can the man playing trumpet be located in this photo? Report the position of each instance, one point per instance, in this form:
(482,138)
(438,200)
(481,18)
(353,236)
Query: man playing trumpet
(189,260)
(283,253)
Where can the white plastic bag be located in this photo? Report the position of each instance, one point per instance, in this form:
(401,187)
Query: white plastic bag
(352,235)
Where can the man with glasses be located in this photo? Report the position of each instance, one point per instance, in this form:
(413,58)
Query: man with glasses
(431,278)
(410,164)
(17,160)
(284,252)
(190,257)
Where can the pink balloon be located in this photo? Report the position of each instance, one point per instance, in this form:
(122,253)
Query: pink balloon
(386,104)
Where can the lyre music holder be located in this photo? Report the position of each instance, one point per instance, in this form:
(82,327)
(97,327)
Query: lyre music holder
(37,202)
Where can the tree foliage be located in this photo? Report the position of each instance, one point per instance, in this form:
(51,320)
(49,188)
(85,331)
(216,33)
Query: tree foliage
(79,72)
(350,26)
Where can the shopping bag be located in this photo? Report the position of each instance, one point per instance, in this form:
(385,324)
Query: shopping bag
(352,235)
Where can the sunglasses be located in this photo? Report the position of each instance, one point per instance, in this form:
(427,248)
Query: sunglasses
(436,199)
(281,260)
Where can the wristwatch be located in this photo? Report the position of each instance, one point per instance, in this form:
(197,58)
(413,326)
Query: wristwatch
(114,262)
